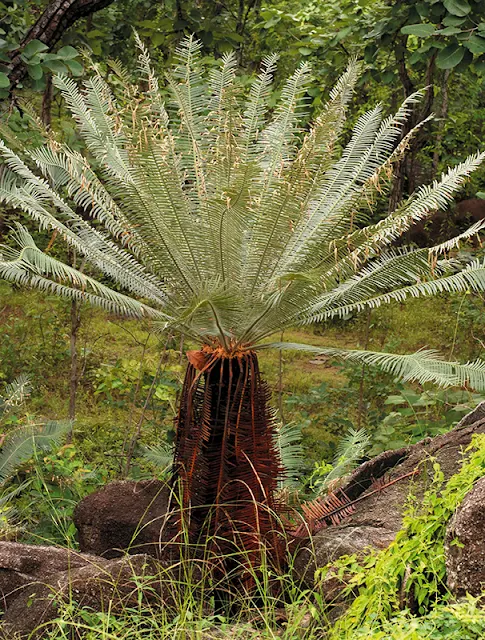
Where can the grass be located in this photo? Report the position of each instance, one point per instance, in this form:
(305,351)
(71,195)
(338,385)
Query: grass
(181,600)
(190,613)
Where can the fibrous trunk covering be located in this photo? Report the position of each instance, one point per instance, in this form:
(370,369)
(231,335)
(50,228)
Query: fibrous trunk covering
(226,461)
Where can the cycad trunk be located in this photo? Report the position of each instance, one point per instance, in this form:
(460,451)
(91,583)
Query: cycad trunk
(226,461)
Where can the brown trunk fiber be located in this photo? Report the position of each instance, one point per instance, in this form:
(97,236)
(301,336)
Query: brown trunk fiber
(227,464)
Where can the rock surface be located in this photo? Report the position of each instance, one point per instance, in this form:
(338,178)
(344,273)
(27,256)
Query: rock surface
(22,564)
(99,585)
(124,515)
(377,519)
(465,544)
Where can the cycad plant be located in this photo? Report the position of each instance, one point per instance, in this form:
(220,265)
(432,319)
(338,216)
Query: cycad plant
(228,221)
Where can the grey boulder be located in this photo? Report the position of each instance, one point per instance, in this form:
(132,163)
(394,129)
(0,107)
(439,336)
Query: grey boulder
(465,544)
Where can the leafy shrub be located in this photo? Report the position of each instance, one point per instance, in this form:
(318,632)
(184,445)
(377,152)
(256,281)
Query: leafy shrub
(413,567)
(57,481)
(118,383)
(461,621)
(418,414)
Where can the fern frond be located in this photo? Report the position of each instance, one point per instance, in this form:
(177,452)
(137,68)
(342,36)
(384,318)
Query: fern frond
(256,109)
(17,391)
(372,144)
(471,278)
(219,216)
(21,444)
(423,366)
(350,450)
(29,266)
(161,455)
(190,94)
(289,447)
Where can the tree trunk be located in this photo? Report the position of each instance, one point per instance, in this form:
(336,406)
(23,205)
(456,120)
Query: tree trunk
(46,114)
(227,464)
(49,28)
(74,373)
(443,112)
(406,171)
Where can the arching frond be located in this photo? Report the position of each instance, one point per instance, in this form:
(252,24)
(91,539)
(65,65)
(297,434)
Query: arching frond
(255,110)
(22,443)
(30,266)
(15,394)
(289,446)
(471,278)
(422,366)
(350,450)
(161,455)
(190,95)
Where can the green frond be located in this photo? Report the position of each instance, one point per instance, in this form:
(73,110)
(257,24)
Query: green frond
(387,273)
(333,209)
(470,278)
(350,450)
(22,443)
(418,206)
(190,94)
(161,455)
(30,266)
(256,109)
(119,69)
(289,446)
(279,137)
(15,394)
(156,102)
(221,217)
(423,366)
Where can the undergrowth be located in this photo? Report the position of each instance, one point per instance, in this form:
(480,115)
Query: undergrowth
(411,572)
(397,594)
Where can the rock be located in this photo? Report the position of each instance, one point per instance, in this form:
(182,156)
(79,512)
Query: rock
(378,518)
(100,585)
(22,564)
(465,544)
(233,632)
(124,515)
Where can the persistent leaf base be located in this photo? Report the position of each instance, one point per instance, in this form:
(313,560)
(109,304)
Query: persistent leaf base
(227,465)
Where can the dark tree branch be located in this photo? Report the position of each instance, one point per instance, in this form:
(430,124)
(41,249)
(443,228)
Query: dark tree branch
(406,170)
(58,17)
(400,55)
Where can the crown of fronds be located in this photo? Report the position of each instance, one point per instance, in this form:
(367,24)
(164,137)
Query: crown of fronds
(219,216)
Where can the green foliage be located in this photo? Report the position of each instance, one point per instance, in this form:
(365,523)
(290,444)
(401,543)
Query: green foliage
(453,31)
(57,481)
(22,443)
(39,63)
(18,446)
(14,395)
(161,455)
(464,620)
(415,561)
(119,383)
(416,415)
(291,454)
(350,450)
